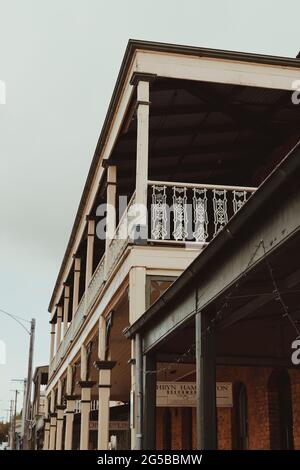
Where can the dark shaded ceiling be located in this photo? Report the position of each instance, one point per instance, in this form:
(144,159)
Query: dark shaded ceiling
(253,321)
(210,133)
(206,133)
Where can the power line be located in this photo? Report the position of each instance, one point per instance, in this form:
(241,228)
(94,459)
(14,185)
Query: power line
(278,295)
(218,316)
(15,316)
(17,319)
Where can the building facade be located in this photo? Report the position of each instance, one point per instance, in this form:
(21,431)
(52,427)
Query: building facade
(38,409)
(239,348)
(189,136)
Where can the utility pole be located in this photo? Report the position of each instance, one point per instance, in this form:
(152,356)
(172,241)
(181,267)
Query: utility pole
(28,386)
(23,409)
(10,424)
(14,419)
(23,381)
(26,407)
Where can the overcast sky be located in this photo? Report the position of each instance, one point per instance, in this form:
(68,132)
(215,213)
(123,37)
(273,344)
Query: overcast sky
(59,60)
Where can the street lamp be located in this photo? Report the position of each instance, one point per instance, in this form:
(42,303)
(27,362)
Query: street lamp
(31,333)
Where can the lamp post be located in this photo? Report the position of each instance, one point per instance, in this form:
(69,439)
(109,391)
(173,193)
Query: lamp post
(14,420)
(22,381)
(28,387)
(31,333)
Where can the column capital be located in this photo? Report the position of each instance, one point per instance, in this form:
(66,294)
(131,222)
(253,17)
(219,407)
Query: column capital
(77,263)
(66,289)
(59,311)
(110,184)
(46,421)
(89,217)
(105,365)
(90,226)
(107,163)
(111,179)
(86,383)
(76,270)
(60,407)
(142,77)
(72,397)
(53,415)
(147,103)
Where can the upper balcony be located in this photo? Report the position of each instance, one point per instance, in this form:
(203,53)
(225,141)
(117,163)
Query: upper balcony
(185,154)
(178,214)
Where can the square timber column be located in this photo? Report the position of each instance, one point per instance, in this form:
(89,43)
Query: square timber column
(70,410)
(70,399)
(52,438)
(149,418)
(46,425)
(111,202)
(105,368)
(137,306)
(52,340)
(77,264)
(53,417)
(58,329)
(66,307)
(89,250)
(86,386)
(142,81)
(205,383)
(46,434)
(60,417)
(59,426)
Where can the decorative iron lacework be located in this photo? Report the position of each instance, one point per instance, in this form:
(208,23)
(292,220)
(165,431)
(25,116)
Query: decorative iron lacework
(95,284)
(220,209)
(200,215)
(239,199)
(121,238)
(180,231)
(159,213)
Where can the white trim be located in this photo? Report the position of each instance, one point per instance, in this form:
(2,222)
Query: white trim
(215,70)
(249,189)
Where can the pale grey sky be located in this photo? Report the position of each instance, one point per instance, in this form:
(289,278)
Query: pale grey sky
(59,59)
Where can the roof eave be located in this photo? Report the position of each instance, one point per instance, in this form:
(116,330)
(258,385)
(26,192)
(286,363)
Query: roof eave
(132,46)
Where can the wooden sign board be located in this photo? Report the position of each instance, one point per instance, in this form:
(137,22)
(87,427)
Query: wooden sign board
(183,394)
(113,425)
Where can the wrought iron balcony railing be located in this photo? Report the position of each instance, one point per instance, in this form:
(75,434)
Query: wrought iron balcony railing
(185,212)
(121,238)
(177,212)
(102,272)
(73,328)
(95,284)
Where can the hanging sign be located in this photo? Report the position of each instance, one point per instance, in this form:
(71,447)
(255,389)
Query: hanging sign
(113,425)
(184,394)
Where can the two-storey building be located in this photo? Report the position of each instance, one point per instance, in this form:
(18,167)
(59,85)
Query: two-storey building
(189,135)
